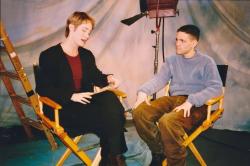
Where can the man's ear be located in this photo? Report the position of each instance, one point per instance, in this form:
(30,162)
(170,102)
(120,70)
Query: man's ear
(195,43)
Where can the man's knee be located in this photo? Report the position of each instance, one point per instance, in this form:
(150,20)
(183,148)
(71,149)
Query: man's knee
(138,112)
(164,121)
(170,124)
(168,120)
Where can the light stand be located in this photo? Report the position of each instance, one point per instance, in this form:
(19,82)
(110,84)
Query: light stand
(158,9)
(156,47)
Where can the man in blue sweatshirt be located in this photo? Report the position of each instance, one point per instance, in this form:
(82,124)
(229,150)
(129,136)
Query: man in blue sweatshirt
(194,79)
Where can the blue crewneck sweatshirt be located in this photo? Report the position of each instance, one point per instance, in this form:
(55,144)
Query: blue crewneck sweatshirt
(197,77)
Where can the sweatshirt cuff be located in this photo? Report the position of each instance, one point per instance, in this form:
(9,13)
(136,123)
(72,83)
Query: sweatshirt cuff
(192,100)
(140,90)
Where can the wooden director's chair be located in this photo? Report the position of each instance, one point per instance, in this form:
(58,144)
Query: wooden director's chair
(212,116)
(58,130)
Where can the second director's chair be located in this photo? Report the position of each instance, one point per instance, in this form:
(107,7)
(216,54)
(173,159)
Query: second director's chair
(58,130)
(213,114)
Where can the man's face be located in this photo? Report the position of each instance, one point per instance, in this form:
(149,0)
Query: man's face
(81,33)
(185,44)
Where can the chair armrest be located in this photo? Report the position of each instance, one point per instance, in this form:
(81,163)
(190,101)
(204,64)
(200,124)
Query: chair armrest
(119,93)
(214,100)
(56,108)
(51,103)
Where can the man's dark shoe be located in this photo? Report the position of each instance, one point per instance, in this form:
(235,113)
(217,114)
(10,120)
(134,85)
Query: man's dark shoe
(157,159)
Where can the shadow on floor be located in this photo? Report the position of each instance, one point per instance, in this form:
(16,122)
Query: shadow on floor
(218,148)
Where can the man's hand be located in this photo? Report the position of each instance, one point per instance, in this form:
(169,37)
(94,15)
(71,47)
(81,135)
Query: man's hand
(113,82)
(186,107)
(82,97)
(141,97)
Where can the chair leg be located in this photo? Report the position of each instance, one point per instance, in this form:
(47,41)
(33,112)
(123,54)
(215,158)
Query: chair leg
(72,147)
(67,152)
(164,163)
(97,158)
(195,152)
(50,137)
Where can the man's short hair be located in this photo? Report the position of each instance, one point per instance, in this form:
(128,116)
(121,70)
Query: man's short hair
(77,18)
(190,29)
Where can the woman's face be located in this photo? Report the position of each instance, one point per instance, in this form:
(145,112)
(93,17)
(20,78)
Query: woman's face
(81,34)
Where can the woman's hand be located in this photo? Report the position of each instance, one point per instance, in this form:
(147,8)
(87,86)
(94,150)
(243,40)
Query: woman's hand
(82,97)
(113,82)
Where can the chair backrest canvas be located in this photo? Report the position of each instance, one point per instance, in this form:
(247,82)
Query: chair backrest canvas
(223,73)
(36,70)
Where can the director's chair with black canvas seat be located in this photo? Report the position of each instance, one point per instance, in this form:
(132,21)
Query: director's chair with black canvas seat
(213,114)
(58,130)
